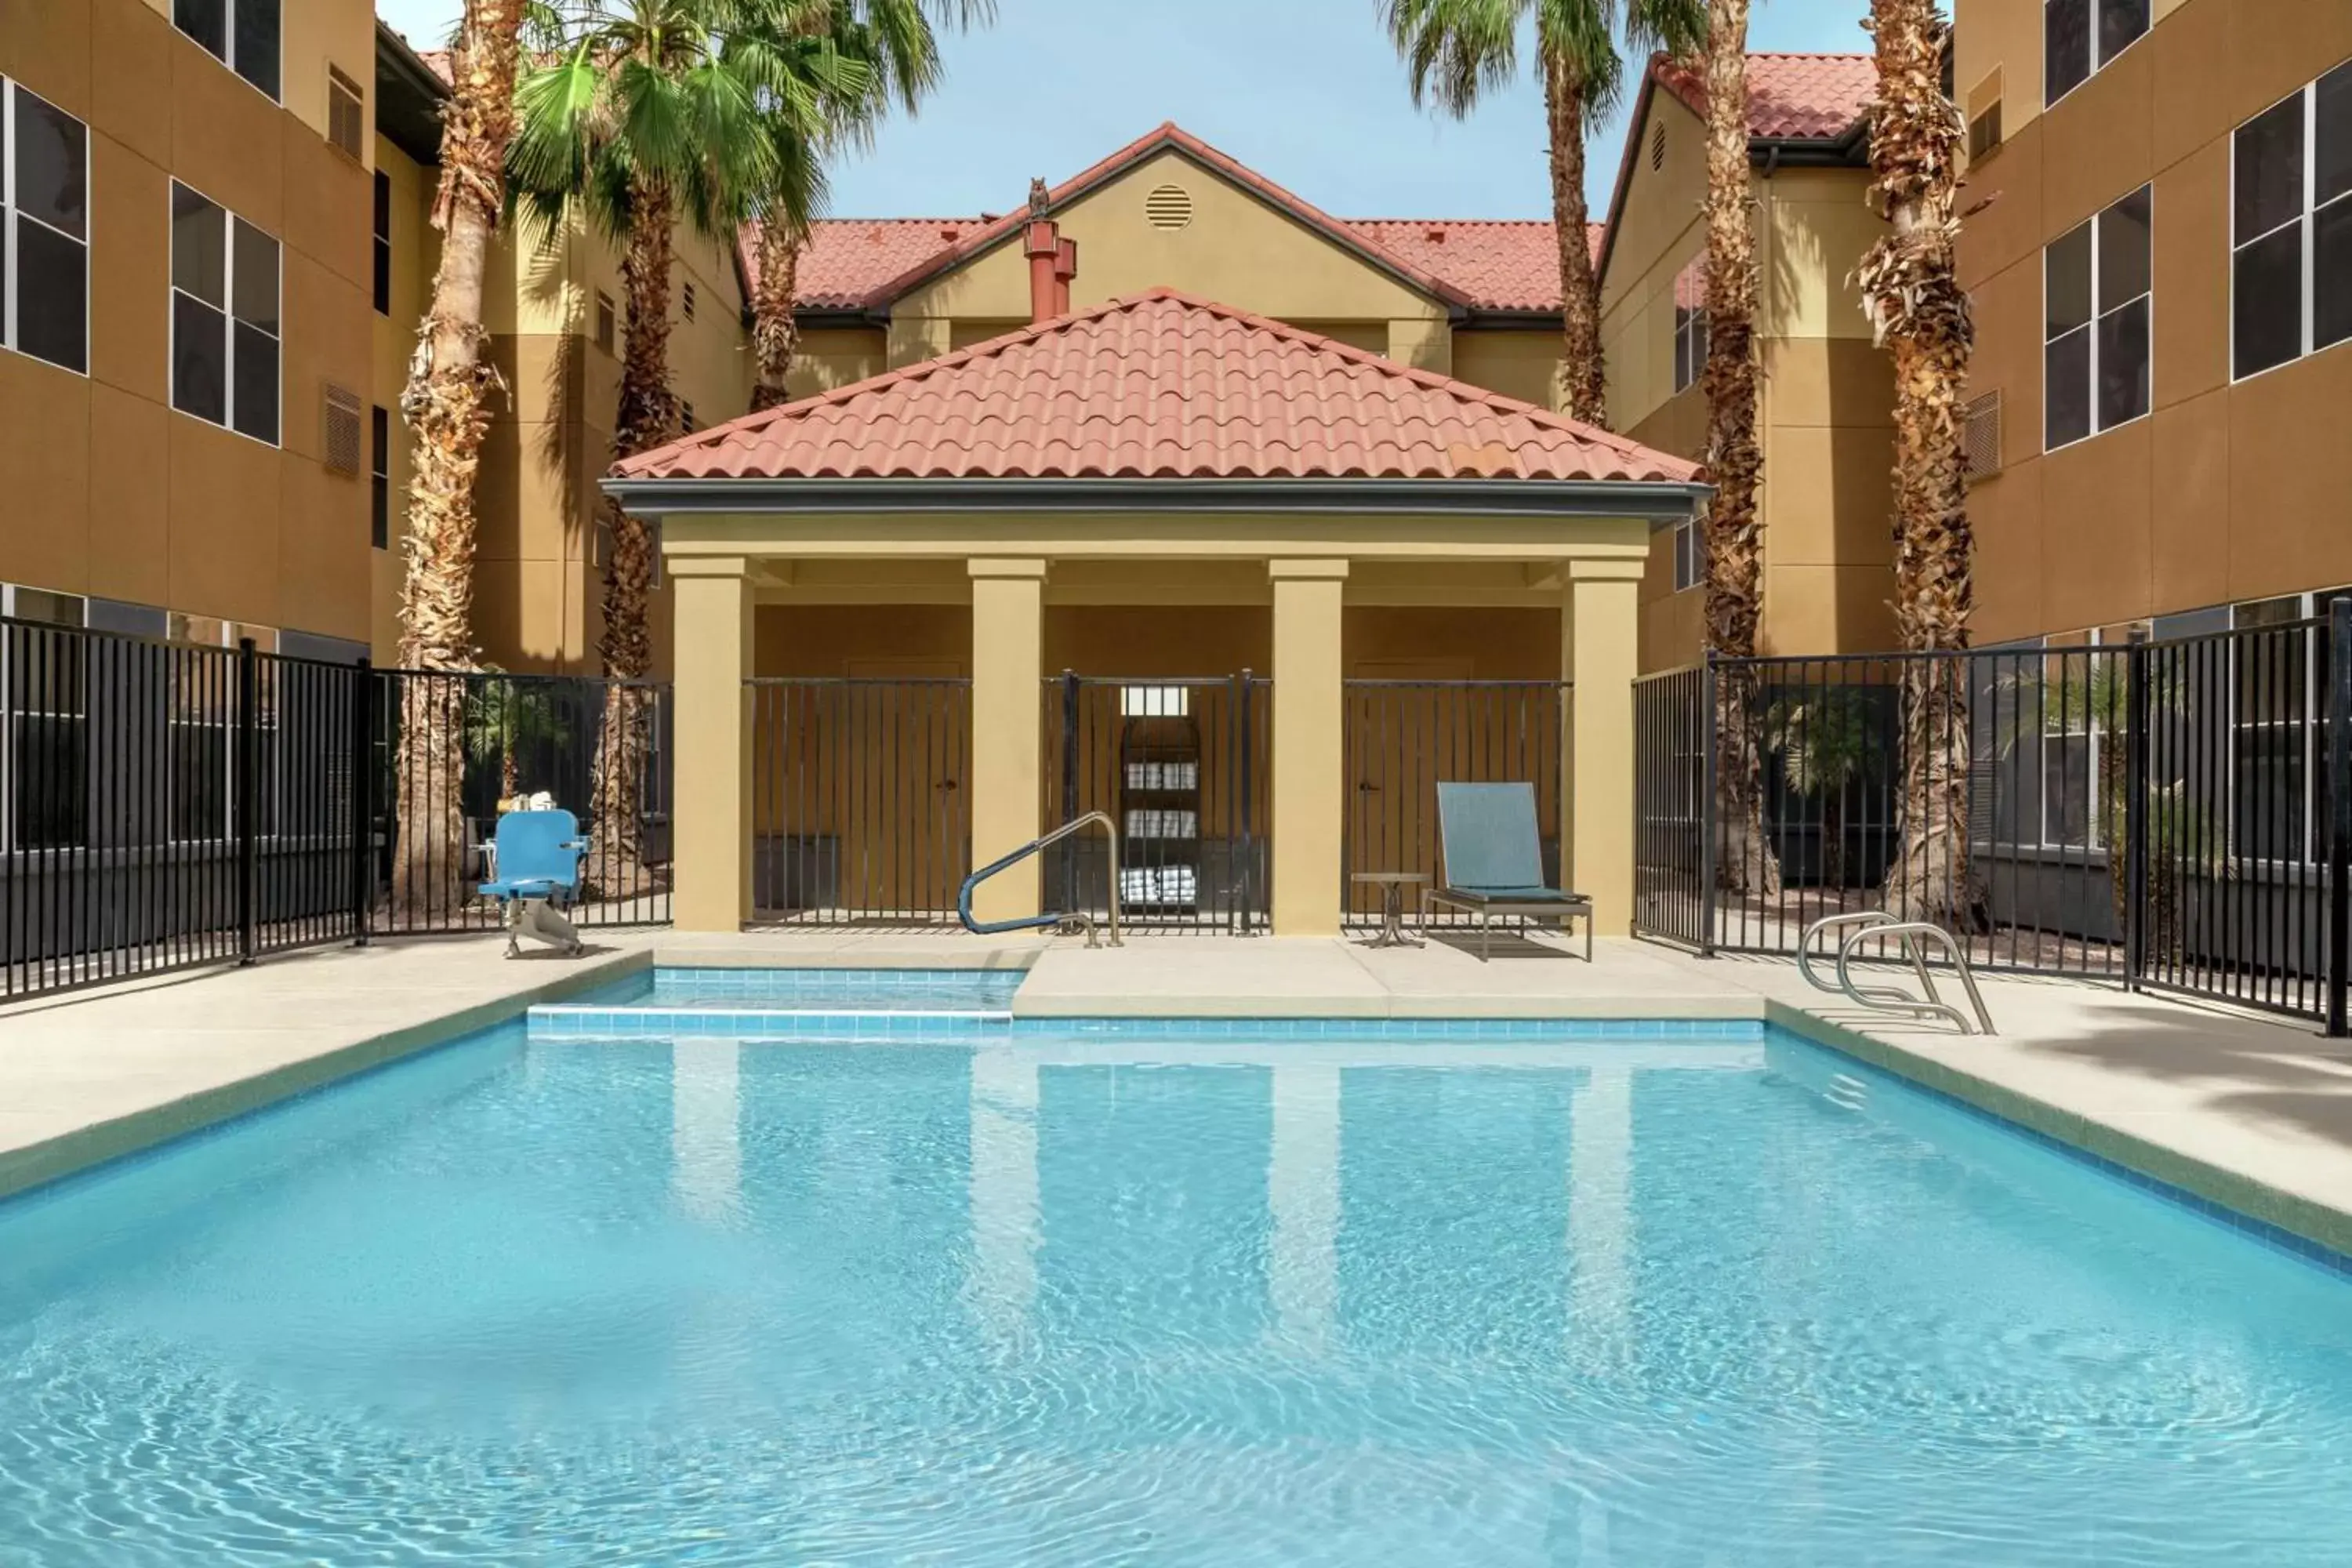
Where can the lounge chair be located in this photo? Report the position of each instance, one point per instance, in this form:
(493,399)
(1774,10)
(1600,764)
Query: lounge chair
(1494,859)
(535,875)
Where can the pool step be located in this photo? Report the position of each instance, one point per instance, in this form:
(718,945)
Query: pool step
(572,1021)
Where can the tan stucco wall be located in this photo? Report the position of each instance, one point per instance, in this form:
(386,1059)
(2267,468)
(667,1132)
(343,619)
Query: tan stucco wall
(2225,492)
(137,502)
(1824,399)
(1237,249)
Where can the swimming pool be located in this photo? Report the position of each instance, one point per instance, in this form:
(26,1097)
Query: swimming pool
(1236,1296)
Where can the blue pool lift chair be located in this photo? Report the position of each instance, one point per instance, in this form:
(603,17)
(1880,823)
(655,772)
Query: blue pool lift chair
(535,876)
(1494,860)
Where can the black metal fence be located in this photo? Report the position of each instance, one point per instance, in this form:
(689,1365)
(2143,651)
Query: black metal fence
(860,810)
(1183,766)
(166,805)
(2168,814)
(1403,738)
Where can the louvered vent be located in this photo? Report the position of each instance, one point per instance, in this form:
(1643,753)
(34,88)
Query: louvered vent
(1657,149)
(345,112)
(1981,437)
(1984,119)
(342,430)
(1167,206)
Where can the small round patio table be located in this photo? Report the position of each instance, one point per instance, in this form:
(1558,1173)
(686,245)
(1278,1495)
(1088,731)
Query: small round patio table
(1391,885)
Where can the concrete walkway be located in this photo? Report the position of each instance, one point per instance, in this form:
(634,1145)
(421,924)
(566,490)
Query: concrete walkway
(2253,1114)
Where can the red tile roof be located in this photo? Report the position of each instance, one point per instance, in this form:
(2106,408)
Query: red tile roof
(1813,97)
(865,263)
(1499,264)
(1160,385)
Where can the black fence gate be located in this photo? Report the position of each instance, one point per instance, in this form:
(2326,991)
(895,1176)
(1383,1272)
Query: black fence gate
(1403,738)
(167,805)
(861,809)
(2173,814)
(1182,765)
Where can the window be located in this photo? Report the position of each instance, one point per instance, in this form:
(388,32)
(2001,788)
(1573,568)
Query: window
(1690,553)
(2094,295)
(380,478)
(240,34)
(223,318)
(47,736)
(383,243)
(2291,227)
(605,321)
(44,230)
(343,112)
(2079,37)
(1690,324)
(685,301)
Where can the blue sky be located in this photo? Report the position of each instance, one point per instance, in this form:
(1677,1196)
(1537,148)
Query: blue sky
(1309,92)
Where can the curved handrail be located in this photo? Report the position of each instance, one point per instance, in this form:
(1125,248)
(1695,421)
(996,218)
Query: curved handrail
(1804,956)
(1933,1006)
(1033,922)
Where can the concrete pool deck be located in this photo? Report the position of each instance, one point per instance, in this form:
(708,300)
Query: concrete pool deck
(2251,1114)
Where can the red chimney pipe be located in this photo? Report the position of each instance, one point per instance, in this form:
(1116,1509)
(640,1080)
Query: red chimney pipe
(1065,267)
(1042,243)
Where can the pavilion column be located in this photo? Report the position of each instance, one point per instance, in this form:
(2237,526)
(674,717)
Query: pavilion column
(1310,795)
(713,817)
(1008,650)
(1599,655)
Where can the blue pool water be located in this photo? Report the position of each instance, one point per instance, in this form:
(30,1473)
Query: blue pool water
(1056,1299)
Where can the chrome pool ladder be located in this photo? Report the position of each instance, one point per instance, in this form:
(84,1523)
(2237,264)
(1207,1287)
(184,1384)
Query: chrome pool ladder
(1878,925)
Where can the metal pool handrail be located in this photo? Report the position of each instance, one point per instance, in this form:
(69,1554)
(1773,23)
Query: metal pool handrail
(1933,1006)
(1859,992)
(1033,923)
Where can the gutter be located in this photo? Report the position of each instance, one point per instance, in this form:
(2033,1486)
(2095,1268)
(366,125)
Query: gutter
(1662,503)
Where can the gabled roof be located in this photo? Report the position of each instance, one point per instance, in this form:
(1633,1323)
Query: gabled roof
(864,264)
(1804,108)
(1495,264)
(1157,386)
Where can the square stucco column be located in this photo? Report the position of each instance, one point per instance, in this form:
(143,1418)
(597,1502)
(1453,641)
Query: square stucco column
(712,816)
(1310,795)
(1600,654)
(1008,650)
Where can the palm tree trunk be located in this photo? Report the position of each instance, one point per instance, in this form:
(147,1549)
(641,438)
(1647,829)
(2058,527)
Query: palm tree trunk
(1583,391)
(647,418)
(1917,311)
(1734,528)
(447,404)
(774,332)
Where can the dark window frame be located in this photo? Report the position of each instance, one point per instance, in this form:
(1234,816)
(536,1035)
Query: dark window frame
(2096,56)
(382,226)
(233,324)
(379,476)
(13,222)
(232,47)
(2103,311)
(2306,224)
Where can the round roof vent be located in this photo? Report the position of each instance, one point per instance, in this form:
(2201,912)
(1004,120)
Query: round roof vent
(1167,206)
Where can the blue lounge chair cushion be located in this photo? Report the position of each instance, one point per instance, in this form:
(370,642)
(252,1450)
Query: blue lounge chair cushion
(1490,838)
(538,856)
(1519,895)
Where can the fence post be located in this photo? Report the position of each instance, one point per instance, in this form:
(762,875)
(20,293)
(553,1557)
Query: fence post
(363,797)
(1707,792)
(248,733)
(1249,854)
(2137,762)
(1070,787)
(2339,811)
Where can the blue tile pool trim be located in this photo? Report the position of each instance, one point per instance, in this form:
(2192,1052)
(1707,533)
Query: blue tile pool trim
(784,982)
(2259,1230)
(584,1023)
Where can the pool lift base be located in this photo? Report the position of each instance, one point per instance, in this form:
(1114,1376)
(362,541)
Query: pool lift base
(1879,925)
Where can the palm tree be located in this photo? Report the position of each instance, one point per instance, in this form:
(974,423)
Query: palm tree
(643,115)
(1458,49)
(1917,311)
(845,64)
(447,404)
(1828,740)
(1735,527)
